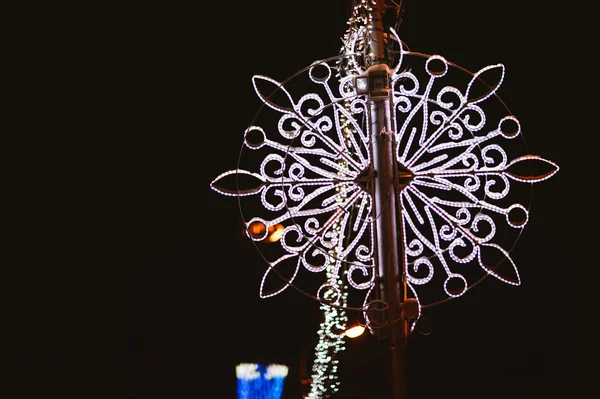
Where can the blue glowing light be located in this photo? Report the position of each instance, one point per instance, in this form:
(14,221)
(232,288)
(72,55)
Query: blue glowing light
(257,381)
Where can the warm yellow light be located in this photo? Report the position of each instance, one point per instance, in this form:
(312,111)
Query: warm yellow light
(256,229)
(275,233)
(355,331)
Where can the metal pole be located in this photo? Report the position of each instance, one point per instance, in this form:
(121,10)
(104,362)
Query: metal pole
(390,277)
(391,284)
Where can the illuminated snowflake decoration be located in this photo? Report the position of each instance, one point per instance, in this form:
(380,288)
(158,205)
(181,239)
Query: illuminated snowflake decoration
(459,189)
(460,209)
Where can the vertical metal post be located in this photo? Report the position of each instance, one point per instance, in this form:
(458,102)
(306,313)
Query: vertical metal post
(390,277)
(391,284)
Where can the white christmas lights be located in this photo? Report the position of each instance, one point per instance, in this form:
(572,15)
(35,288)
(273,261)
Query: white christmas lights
(458,164)
(316,181)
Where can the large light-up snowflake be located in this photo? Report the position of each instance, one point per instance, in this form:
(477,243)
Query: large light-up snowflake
(463,179)
(459,202)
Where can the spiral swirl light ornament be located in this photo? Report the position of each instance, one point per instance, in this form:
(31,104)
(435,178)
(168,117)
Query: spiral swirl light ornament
(463,178)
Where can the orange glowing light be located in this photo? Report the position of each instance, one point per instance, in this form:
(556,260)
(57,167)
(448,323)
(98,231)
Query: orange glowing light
(256,229)
(275,233)
(355,331)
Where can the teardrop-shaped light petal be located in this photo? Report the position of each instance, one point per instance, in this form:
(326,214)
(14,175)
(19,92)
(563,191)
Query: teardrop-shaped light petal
(266,97)
(498,267)
(532,161)
(232,176)
(482,75)
(278,276)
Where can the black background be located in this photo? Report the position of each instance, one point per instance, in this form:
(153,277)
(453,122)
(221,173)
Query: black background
(158,98)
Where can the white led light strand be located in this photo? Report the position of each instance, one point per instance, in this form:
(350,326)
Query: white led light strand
(443,140)
(459,196)
(324,380)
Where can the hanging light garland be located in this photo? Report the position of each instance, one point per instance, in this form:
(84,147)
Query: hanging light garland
(331,342)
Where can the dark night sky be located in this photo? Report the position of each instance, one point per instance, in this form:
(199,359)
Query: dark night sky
(194,299)
(175,95)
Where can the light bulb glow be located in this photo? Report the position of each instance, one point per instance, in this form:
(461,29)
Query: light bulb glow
(276,233)
(355,331)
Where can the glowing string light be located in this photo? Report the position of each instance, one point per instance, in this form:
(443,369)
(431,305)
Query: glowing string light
(459,200)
